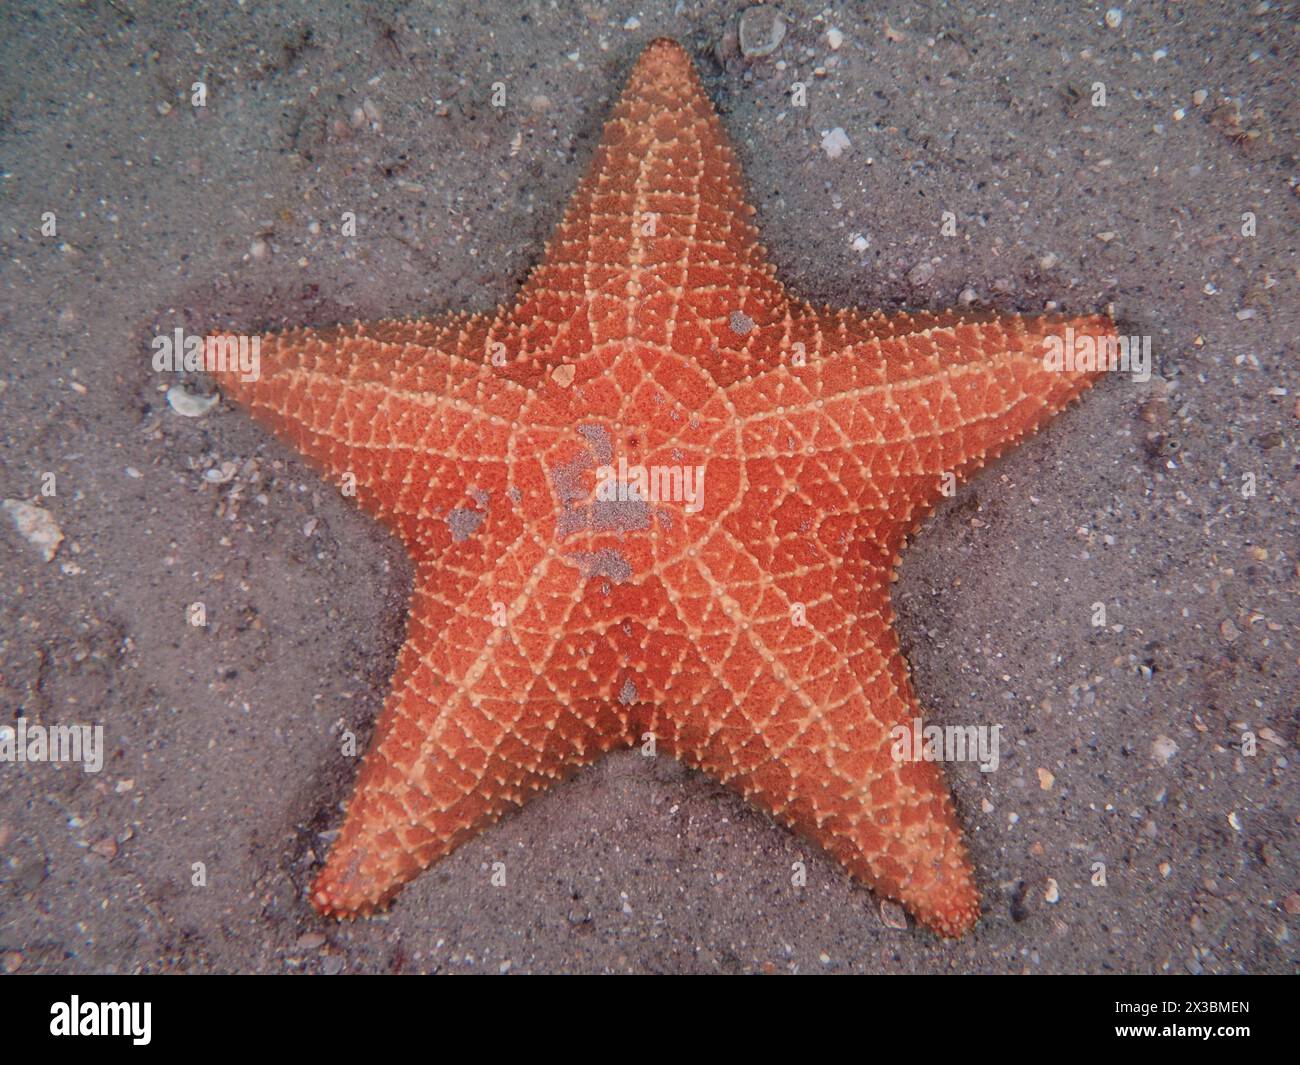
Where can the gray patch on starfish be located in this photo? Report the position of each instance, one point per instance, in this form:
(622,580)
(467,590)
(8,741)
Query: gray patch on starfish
(598,437)
(571,520)
(741,323)
(603,515)
(481,497)
(464,522)
(618,515)
(627,695)
(515,495)
(568,486)
(665,518)
(566,478)
(603,563)
(621,515)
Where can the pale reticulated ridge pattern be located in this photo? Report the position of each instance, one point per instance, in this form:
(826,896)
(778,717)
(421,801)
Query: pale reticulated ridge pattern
(749,630)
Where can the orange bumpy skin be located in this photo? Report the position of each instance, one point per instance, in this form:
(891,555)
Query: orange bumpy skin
(550,624)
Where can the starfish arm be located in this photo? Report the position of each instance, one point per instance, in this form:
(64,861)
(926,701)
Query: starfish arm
(899,832)
(478,719)
(799,686)
(657,242)
(908,399)
(406,411)
(889,820)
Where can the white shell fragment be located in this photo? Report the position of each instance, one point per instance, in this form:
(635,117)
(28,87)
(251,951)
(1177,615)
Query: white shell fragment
(189,405)
(762,29)
(36,526)
(835,141)
(220,474)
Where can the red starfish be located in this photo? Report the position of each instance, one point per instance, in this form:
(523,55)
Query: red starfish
(563,607)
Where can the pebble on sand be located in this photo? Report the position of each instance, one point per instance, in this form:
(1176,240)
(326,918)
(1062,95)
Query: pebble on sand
(1163,749)
(106,848)
(921,273)
(36,526)
(835,141)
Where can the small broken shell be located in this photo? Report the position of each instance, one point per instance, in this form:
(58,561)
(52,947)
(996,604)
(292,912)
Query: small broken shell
(189,405)
(221,474)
